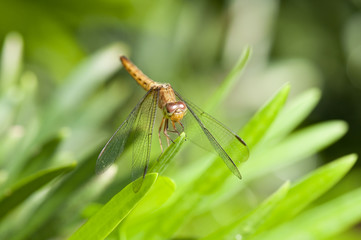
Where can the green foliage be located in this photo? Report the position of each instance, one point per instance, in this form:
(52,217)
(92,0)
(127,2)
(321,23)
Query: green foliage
(111,214)
(324,221)
(200,199)
(250,223)
(22,190)
(230,80)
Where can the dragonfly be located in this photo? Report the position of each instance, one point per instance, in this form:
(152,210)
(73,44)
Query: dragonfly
(178,115)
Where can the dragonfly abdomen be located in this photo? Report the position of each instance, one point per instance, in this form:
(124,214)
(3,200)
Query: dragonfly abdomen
(143,80)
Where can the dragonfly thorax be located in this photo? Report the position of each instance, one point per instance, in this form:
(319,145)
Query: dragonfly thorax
(175,110)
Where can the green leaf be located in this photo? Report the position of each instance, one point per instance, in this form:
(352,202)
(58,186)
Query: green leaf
(23,189)
(114,211)
(320,222)
(91,209)
(80,84)
(63,105)
(247,225)
(231,79)
(11,61)
(292,115)
(142,215)
(257,127)
(168,154)
(86,77)
(57,199)
(163,188)
(297,146)
(317,183)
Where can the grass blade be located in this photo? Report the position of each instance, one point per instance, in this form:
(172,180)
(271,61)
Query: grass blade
(292,115)
(11,61)
(257,127)
(168,154)
(22,190)
(297,146)
(57,199)
(250,222)
(114,211)
(162,190)
(230,80)
(87,76)
(72,95)
(317,183)
(320,222)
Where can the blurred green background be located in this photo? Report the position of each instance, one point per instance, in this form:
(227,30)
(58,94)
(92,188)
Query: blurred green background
(63,92)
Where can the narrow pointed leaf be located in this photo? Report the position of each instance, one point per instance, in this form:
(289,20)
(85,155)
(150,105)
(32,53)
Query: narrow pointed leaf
(257,127)
(22,190)
(142,215)
(321,222)
(230,80)
(296,147)
(292,115)
(247,225)
(317,183)
(168,154)
(114,211)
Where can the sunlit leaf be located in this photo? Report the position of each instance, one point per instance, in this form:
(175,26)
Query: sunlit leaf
(247,225)
(317,183)
(161,191)
(230,80)
(321,222)
(295,147)
(113,212)
(292,115)
(257,127)
(168,154)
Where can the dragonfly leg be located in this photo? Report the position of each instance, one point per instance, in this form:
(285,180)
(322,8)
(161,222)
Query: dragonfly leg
(175,129)
(165,131)
(160,129)
(181,126)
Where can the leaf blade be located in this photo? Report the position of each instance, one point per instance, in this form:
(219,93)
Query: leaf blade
(114,211)
(252,220)
(257,127)
(297,146)
(230,80)
(168,154)
(23,189)
(317,183)
(320,222)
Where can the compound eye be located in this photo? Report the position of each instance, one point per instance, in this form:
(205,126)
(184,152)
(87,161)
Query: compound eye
(171,107)
(181,105)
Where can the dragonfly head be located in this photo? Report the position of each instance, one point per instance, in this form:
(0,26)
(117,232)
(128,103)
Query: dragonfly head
(175,110)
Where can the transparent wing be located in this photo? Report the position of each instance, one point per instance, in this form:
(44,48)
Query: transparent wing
(115,145)
(141,136)
(208,132)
